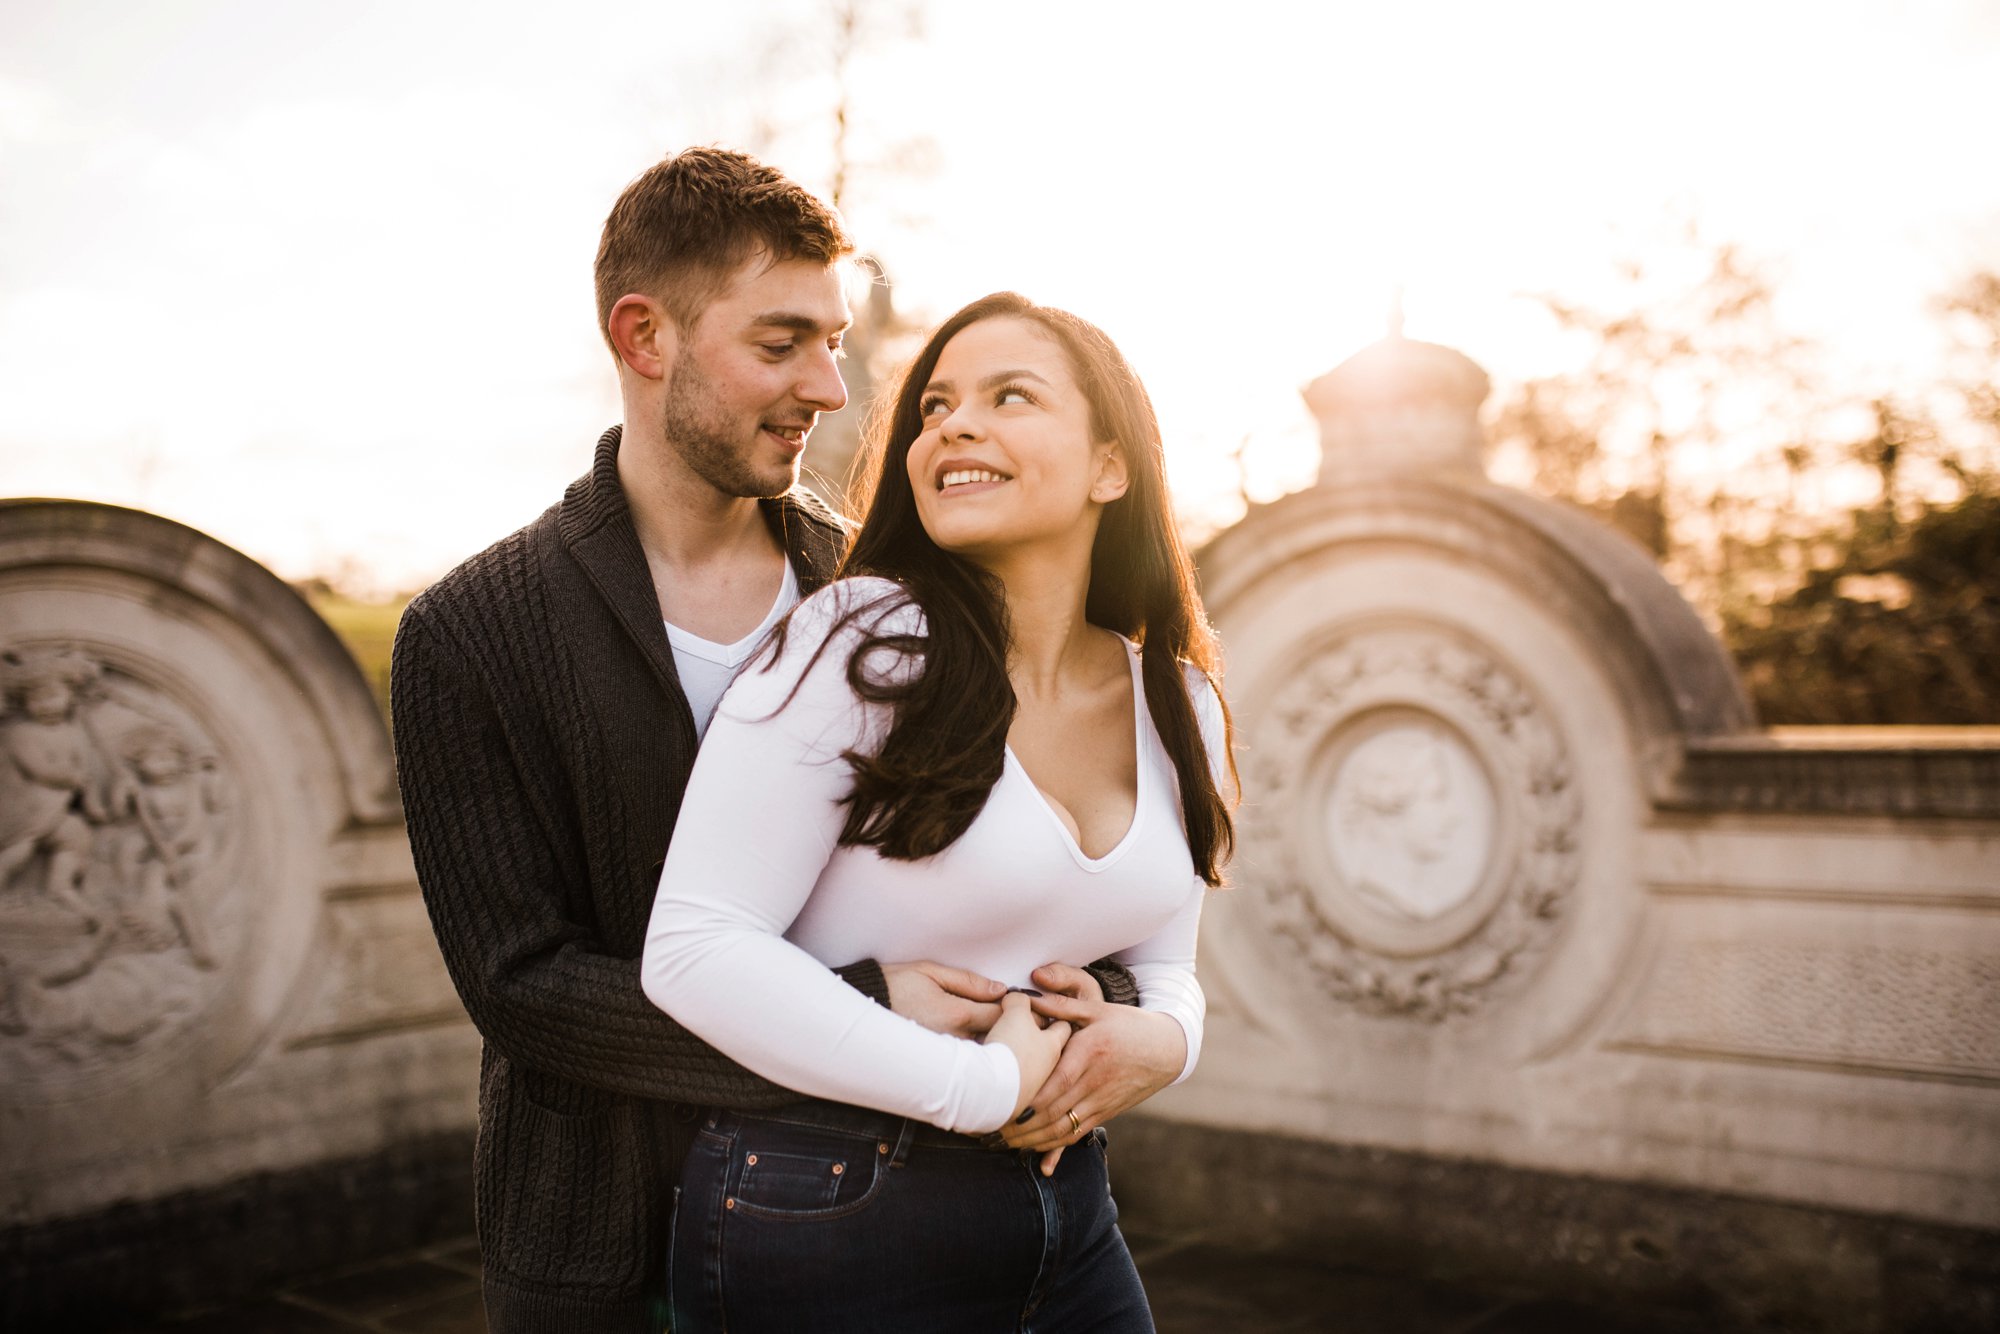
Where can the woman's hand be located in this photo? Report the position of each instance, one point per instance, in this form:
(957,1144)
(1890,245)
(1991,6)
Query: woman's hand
(947,1000)
(1037,1048)
(1119,1057)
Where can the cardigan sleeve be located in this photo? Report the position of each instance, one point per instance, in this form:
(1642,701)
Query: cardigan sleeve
(536,982)
(763,814)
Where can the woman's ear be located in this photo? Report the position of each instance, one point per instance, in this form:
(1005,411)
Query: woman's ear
(1112,478)
(643,334)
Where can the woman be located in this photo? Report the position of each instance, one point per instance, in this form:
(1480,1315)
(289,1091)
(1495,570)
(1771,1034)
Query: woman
(959,752)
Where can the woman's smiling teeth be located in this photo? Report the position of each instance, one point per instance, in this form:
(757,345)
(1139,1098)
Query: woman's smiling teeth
(966,476)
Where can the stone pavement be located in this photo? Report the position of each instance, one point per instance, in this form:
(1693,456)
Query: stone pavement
(1196,1288)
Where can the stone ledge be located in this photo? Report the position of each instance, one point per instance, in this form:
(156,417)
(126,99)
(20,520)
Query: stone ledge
(1726,1263)
(1948,772)
(227,1242)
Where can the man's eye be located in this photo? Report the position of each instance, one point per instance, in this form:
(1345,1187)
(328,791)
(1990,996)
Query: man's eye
(779,349)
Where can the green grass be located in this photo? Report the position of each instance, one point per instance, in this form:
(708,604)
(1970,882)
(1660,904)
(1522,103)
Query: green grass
(368,629)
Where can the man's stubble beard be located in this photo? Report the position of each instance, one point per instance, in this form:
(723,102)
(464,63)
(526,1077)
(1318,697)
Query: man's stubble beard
(694,427)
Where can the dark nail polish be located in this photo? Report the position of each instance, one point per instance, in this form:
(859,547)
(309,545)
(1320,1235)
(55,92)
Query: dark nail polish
(1025,1117)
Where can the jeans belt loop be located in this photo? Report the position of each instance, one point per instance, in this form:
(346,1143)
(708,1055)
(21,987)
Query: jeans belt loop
(904,1141)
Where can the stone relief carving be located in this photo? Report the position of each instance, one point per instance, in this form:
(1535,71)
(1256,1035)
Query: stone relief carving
(1413,822)
(115,831)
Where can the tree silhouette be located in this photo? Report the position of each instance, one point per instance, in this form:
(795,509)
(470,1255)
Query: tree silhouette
(1703,430)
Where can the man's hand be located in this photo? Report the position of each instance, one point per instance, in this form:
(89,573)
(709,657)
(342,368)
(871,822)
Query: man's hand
(1076,983)
(945,1000)
(1118,1057)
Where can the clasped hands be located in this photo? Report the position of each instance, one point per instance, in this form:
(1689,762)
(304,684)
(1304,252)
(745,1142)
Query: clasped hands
(1077,1053)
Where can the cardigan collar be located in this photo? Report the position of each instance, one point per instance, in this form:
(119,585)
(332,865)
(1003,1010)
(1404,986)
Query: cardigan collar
(595,523)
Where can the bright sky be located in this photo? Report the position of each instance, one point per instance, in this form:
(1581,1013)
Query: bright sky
(316,278)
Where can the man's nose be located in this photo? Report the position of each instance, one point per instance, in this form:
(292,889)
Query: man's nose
(823,389)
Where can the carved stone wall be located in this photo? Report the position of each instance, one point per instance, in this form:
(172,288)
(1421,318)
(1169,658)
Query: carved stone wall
(1520,883)
(213,959)
(121,867)
(1414,821)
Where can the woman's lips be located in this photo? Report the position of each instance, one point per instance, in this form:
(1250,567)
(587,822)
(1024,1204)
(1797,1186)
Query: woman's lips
(965,481)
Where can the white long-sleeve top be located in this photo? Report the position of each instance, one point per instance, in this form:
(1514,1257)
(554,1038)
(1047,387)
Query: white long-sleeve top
(758,902)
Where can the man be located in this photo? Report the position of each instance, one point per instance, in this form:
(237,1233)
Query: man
(549,695)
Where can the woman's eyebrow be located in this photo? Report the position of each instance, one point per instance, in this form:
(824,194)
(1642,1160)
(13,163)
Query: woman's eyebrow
(993,381)
(998,378)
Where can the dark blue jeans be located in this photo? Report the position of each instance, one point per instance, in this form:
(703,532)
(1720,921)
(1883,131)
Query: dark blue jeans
(826,1218)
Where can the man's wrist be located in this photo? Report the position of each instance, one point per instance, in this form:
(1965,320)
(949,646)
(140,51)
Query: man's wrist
(1115,980)
(867,978)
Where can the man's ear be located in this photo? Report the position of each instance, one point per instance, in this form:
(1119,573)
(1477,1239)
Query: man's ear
(644,335)
(1112,477)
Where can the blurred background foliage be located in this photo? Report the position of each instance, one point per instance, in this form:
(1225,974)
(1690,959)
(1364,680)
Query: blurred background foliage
(368,628)
(1844,544)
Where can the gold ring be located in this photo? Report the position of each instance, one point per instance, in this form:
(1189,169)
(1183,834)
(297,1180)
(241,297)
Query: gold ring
(1074,1124)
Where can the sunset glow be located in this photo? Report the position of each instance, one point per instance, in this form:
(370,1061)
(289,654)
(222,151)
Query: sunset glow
(317,279)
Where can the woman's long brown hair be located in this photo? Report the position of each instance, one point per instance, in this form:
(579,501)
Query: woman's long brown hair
(945,746)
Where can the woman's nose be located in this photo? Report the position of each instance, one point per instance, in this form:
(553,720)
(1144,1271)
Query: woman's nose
(961,423)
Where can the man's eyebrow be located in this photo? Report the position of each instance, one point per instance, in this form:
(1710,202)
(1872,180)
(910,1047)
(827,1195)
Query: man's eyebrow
(785,319)
(993,381)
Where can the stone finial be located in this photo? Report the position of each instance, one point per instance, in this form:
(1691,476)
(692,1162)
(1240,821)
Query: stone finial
(1400,405)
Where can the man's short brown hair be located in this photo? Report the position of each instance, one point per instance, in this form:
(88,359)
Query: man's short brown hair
(681,230)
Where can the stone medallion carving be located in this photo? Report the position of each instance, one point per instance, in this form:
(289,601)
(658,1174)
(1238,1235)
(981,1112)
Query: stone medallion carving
(117,833)
(1413,822)
(1409,819)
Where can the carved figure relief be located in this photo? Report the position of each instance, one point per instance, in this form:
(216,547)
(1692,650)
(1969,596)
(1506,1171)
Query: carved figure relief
(1413,823)
(1410,821)
(115,833)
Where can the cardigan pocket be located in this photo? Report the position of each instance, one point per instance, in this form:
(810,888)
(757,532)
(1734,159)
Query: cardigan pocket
(564,1196)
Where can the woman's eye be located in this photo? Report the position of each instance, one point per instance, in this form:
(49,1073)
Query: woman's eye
(1014,393)
(931,406)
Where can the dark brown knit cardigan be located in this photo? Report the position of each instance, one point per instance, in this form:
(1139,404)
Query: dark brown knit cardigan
(543,743)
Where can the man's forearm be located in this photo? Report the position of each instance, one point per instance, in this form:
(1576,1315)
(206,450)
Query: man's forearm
(538,986)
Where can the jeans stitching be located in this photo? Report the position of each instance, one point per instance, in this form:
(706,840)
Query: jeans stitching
(673,1230)
(826,1183)
(712,1259)
(1038,1290)
(772,1214)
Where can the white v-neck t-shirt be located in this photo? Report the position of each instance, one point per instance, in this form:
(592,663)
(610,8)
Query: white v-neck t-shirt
(706,668)
(758,901)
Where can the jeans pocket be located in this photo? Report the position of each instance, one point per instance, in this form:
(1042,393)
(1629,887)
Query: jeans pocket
(791,1180)
(783,1172)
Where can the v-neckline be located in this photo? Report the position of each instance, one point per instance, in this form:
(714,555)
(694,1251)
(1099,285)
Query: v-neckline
(1042,799)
